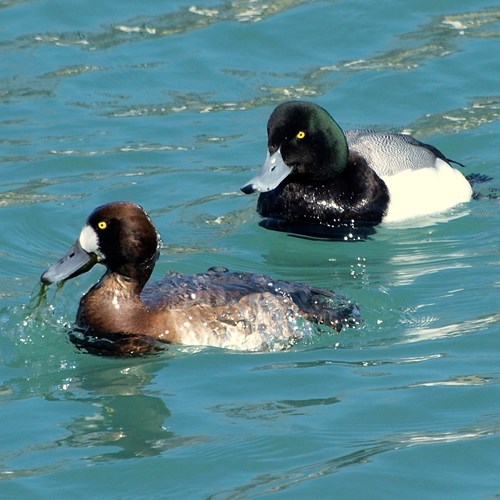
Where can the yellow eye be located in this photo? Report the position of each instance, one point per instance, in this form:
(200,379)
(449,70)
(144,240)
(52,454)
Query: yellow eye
(301,135)
(102,225)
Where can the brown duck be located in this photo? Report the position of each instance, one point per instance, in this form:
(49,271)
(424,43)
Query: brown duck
(122,315)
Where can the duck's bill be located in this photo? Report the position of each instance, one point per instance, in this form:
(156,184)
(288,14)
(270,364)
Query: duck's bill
(76,261)
(272,173)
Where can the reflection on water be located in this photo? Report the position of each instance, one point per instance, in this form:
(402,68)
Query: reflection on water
(480,111)
(122,427)
(354,364)
(441,37)
(465,327)
(415,262)
(288,479)
(142,28)
(435,39)
(28,194)
(459,381)
(272,410)
(119,417)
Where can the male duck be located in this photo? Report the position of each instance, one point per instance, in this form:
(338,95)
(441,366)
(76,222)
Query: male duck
(316,178)
(123,315)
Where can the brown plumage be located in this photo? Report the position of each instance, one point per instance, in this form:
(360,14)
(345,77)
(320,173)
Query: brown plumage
(124,316)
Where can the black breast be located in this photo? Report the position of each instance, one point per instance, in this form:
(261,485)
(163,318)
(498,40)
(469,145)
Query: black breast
(356,198)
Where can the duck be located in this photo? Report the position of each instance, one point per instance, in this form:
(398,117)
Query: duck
(124,315)
(317,178)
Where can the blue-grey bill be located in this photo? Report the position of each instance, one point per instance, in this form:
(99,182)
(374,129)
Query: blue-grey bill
(272,173)
(75,262)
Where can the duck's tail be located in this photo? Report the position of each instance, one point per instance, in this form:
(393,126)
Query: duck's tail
(327,308)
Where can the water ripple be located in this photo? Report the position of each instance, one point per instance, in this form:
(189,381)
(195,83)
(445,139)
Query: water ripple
(272,483)
(464,327)
(141,28)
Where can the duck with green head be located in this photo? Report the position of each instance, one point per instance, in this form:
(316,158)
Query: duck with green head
(317,178)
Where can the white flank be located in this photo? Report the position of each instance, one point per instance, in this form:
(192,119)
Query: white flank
(416,193)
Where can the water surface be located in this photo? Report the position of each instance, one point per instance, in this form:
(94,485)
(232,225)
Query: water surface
(166,104)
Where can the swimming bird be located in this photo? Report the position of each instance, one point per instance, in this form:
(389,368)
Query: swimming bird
(123,315)
(316,177)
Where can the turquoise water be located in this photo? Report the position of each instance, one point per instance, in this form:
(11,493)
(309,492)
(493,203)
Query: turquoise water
(165,104)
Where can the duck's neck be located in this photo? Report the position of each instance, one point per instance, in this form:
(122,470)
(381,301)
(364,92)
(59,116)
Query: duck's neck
(114,305)
(132,276)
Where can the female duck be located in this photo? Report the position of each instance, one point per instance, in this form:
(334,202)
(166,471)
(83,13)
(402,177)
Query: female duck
(123,315)
(315,176)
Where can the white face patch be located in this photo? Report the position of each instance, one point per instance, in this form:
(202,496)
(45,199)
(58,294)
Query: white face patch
(89,241)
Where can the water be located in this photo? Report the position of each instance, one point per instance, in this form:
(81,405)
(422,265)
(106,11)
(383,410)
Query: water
(165,104)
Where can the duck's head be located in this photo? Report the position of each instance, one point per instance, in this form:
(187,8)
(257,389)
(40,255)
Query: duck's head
(303,141)
(119,235)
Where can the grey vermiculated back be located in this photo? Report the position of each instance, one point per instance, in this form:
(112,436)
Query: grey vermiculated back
(388,154)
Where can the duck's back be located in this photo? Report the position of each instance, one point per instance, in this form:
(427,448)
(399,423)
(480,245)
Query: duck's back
(389,154)
(243,310)
(219,287)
